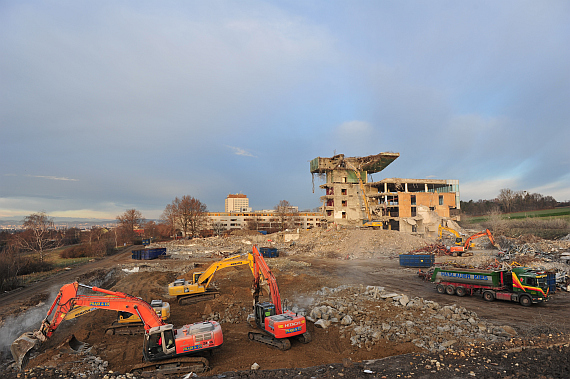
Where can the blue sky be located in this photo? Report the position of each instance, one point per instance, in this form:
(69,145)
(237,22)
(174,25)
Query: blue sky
(107,106)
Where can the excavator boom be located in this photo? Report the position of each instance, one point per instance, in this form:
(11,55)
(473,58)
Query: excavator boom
(277,325)
(198,289)
(66,300)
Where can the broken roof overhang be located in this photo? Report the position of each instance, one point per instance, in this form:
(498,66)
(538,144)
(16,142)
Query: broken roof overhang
(370,164)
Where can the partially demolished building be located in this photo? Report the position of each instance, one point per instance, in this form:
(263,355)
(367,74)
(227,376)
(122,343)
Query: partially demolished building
(410,205)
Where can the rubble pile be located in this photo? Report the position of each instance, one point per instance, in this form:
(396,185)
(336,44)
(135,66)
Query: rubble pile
(367,315)
(315,243)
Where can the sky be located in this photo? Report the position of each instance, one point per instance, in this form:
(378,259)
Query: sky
(113,105)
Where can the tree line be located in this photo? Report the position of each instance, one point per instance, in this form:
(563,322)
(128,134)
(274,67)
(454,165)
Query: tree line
(25,251)
(509,201)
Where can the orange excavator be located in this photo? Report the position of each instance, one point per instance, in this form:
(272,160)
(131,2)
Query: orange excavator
(277,325)
(164,347)
(459,250)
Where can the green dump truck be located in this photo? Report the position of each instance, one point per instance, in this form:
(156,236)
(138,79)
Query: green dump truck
(521,284)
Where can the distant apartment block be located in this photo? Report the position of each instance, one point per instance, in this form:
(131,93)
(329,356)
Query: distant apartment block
(410,205)
(262,220)
(237,203)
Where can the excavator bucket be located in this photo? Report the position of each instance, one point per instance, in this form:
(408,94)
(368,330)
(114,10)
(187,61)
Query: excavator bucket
(20,348)
(78,346)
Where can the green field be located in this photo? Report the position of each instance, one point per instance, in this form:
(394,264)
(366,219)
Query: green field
(556,213)
(547,223)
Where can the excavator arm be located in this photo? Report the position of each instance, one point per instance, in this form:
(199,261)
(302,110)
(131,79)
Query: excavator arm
(67,299)
(260,268)
(235,260)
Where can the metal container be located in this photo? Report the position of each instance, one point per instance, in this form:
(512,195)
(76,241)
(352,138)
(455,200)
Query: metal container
(419,260)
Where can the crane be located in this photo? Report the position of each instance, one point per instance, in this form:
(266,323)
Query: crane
(277,325)
(191,339)
(190,292)
(363,193)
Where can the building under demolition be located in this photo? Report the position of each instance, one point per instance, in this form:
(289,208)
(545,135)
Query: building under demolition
(410,205)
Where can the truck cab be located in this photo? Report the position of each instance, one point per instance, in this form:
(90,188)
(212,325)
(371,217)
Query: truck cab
(531,282)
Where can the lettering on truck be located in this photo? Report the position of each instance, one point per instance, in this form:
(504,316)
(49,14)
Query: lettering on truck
(463,276)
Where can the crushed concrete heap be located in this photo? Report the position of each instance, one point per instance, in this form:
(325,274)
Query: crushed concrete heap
(367,315)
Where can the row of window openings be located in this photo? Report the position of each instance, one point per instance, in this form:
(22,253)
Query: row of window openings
(330,191)
(330,202)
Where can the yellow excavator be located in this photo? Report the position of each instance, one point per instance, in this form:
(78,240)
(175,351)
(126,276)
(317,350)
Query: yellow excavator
(127,323)
(196,290)
(458,238)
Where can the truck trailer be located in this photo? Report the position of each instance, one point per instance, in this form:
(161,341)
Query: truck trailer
(521,284)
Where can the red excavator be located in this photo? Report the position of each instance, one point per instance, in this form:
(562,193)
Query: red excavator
(277,325)
(458,250)
(164,347)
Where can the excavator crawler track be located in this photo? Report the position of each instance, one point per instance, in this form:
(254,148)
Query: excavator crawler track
(174,366)
(279,343)
(196,298)
(130,329)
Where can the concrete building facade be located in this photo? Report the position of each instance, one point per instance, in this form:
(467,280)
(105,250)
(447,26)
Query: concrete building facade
(410,205)
(263,220)
(237,203)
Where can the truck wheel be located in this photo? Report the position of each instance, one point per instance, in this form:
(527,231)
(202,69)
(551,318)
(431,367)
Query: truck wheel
(488,295)
(440,288)
(461,291)
(525,301)
(450,290)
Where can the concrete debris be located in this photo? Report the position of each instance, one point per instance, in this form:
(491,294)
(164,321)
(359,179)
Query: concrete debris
(439,327)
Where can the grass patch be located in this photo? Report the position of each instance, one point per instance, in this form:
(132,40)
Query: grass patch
(557,213)
(547,224)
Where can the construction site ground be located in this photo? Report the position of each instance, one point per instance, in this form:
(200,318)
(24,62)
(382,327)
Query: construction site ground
(537,344)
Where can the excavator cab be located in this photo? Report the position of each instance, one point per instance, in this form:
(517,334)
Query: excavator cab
(159,342)
(263,310)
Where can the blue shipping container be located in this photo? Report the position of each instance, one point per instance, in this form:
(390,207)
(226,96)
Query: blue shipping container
(412,260)
(148,253)
(551,281)
(269,252)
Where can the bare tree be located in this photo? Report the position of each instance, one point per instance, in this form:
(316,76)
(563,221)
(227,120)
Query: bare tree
(189,214)
(150,229)
(218,227)
(168,219)
(39,234)
(129,221)
(287,215)
(253,223)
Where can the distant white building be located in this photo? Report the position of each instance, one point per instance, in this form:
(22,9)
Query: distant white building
(237,203)
(263,220)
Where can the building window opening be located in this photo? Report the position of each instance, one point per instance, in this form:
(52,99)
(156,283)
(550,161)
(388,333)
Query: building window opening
(440,199)
(343,214)
(344,203)
(413,199)
(432,208)
(329,213)
(343,191)
(414,212)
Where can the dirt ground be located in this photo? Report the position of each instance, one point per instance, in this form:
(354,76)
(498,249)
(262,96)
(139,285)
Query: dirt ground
(305,267)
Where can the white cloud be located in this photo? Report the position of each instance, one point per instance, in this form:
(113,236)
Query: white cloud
(53,178)
(240,151)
